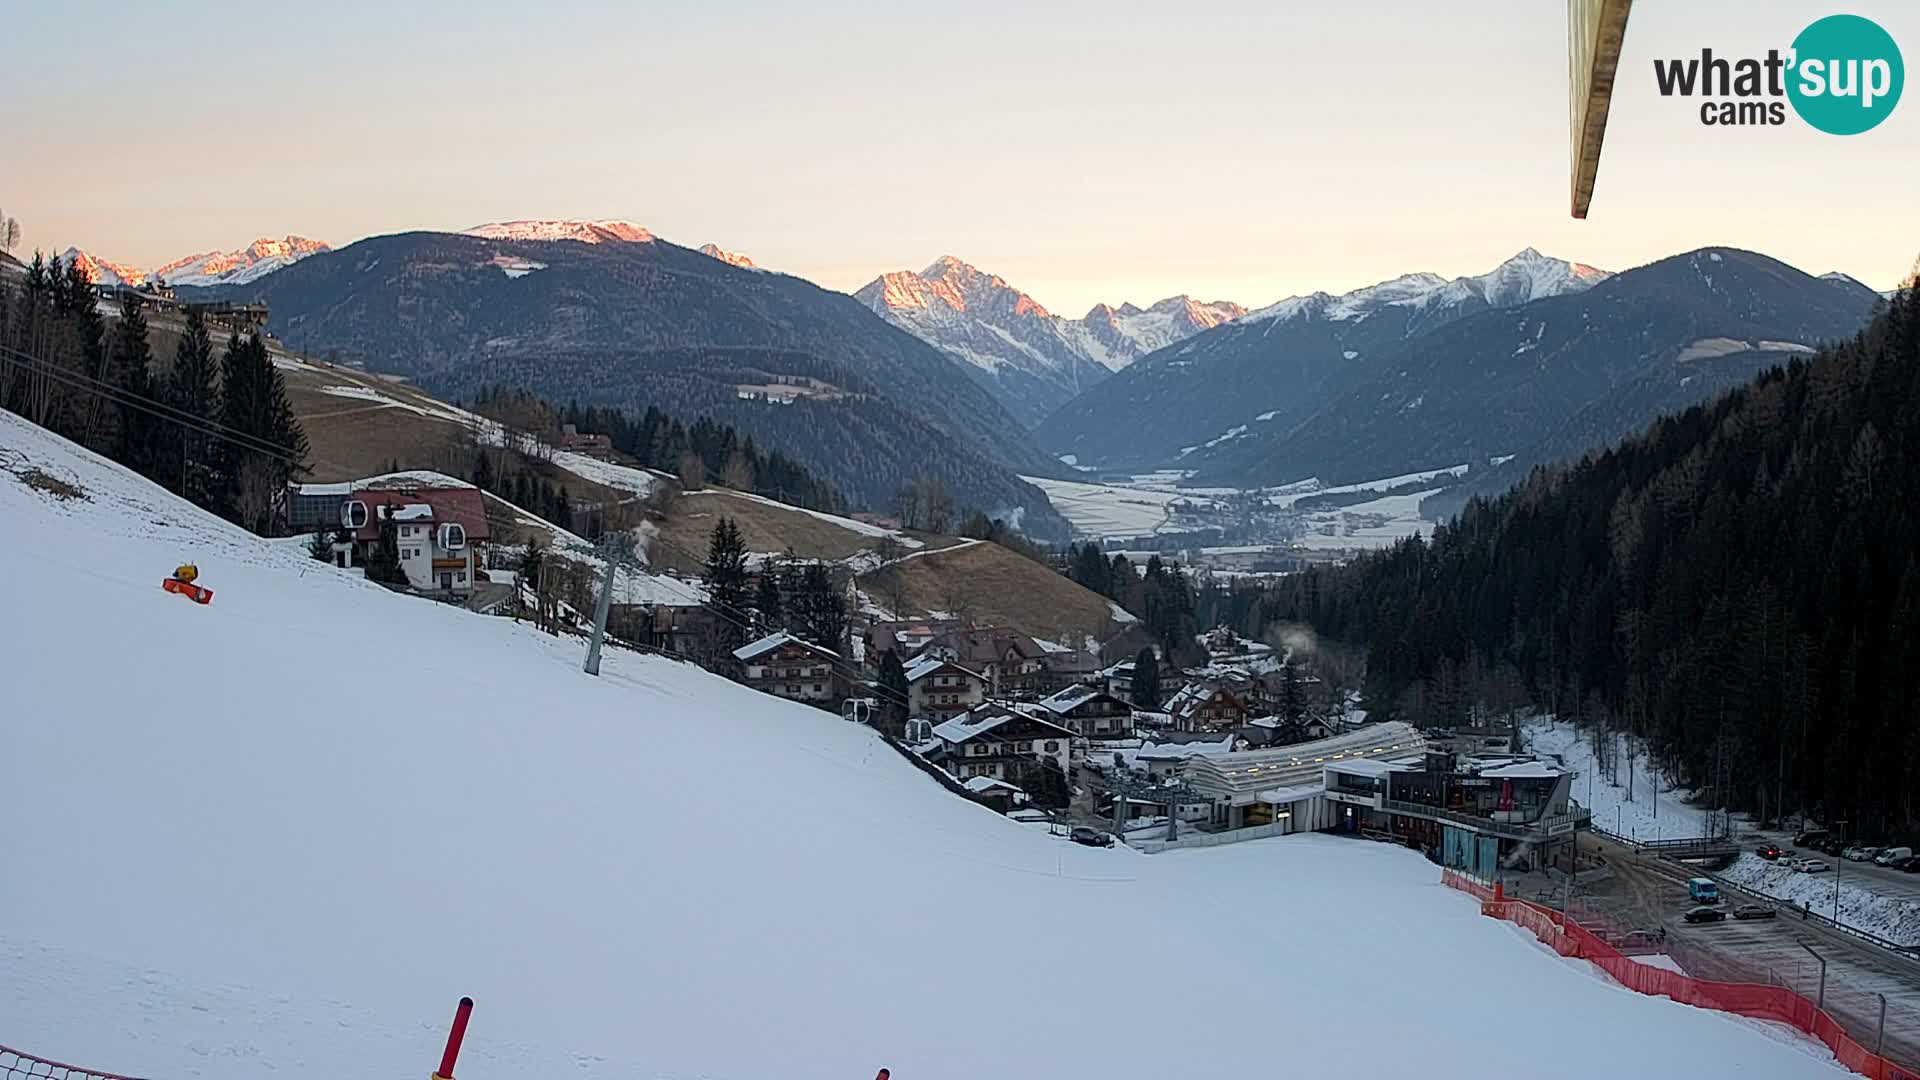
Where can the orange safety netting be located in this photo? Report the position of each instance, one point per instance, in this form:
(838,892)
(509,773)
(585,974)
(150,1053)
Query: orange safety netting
(1777,1003)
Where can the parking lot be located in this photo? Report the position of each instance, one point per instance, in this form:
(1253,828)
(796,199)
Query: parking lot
(1651,895)
(1862,874)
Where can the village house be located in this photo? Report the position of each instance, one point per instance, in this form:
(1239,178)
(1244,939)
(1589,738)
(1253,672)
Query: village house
(1001,743)
(997,794)
(939,689)
(1090,712)
(1119,679)
(1069,667)
(437,530)
(1207,705)
(594,446)
(904,637)
(785,666)
(1013,663)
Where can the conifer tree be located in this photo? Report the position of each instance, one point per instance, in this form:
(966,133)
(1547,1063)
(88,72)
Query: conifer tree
(190,465)
(768,609)
(137,438)
(1146,679)
(726,581)
(893,691)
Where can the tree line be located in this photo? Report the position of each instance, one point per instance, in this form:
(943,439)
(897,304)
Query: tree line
(698,452)
(804,598)
(1162,594)
(220,433)
(1738,588)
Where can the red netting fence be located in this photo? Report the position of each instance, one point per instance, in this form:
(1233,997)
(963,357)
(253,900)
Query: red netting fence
(1777,1003)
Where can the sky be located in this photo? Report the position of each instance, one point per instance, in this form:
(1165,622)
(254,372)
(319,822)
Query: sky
(1085,152)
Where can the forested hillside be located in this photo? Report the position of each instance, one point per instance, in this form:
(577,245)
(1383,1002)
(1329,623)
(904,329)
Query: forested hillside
(1740,585)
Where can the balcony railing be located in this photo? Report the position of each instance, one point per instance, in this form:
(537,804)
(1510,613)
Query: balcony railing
(1542,829)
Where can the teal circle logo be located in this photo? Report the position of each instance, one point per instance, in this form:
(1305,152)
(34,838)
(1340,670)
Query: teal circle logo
(1847,75)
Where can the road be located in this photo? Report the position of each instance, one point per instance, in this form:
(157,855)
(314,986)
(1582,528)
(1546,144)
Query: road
(1772,950)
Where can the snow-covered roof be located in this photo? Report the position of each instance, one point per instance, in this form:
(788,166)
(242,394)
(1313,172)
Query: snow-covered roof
(323,489)
(774,641)
(927,665)
(1070,698)
(410,478)
(1524,770)
(1182,751)
(412,512)
(1362,767)
(981,784)
(986,718)
(1277,796)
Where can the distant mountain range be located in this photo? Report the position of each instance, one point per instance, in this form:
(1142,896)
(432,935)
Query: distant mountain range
(1276,365)
(237,267)
(1032,360)
(606,313)
(1539,360)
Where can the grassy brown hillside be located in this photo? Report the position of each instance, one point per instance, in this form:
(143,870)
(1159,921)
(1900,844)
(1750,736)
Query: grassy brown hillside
(990,585)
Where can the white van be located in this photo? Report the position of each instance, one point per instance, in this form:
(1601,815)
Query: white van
(1892,853)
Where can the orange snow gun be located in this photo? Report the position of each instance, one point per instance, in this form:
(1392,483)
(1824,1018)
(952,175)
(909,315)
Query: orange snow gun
(182,583)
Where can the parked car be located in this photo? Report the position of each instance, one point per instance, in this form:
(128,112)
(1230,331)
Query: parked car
(1090,837)
(1887,855)
(1812,866)
(1704,913)
(1754,911)
(1810,838)
(1910,864)
(1859,854)
(1769,852)
(1703,891)
(1833,848)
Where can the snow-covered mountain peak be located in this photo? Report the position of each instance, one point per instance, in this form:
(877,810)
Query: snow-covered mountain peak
(1527,276)
(101,272)
(1531,276)
(1038,359)
(586,232)
(256,260)
(731,258)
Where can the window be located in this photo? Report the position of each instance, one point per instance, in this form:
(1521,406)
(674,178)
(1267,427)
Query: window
(817,688)
(1053,746)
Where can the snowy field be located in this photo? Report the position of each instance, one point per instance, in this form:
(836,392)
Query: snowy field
(1144,507)
(281,834)
(1665,815)
(1106,510)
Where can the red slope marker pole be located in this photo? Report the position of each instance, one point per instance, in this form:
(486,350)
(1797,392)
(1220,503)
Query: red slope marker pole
(454,1037)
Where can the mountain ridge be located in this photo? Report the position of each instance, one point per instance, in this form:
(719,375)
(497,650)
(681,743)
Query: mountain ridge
(1031,358)
(628,324)
(1276,364)
(208,268)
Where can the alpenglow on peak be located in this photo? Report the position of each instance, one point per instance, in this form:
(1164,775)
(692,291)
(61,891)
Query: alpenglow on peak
(586,232)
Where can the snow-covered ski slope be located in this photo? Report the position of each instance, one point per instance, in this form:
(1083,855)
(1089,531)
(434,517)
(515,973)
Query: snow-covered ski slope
(280,835)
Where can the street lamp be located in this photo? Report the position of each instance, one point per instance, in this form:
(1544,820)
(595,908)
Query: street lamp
(1837,860)
(1822,1003)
